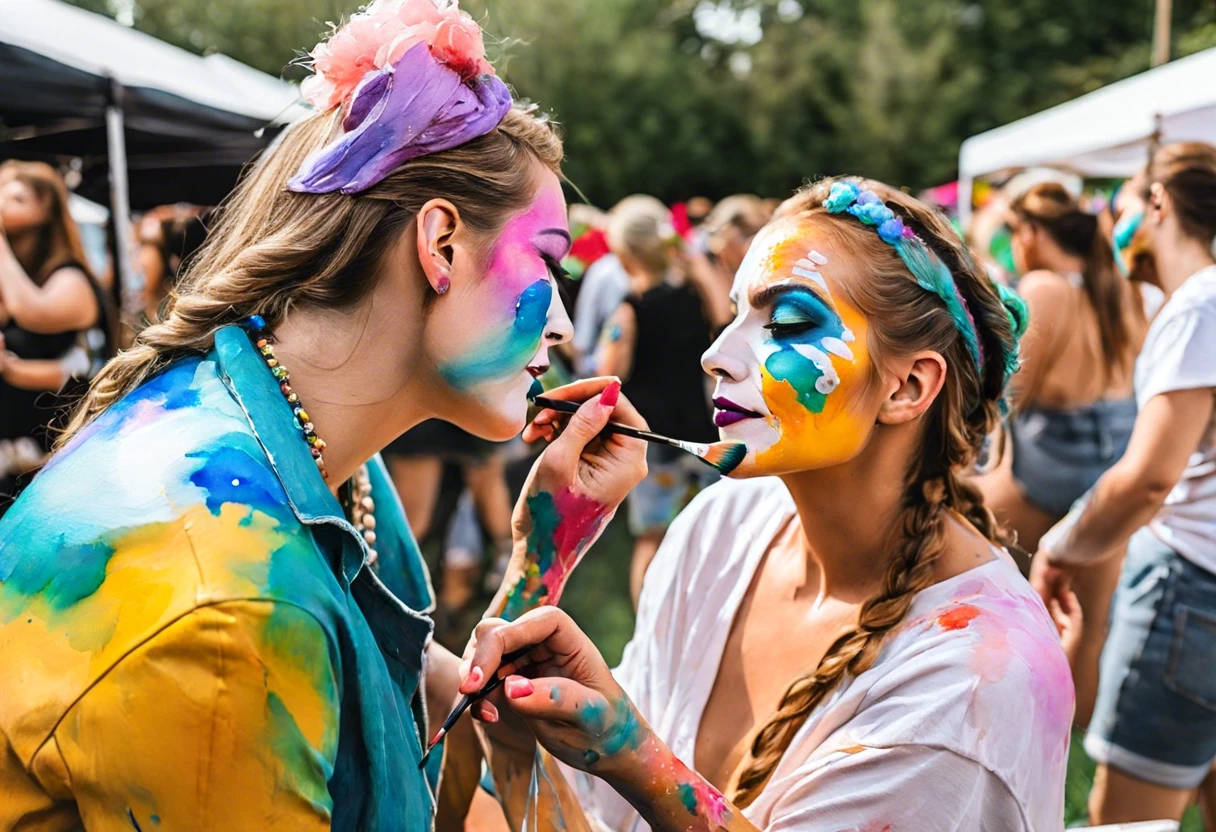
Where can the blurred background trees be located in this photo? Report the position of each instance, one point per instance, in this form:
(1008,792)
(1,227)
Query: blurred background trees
(682,97)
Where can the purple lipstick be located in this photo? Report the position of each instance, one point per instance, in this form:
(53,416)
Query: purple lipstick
(728,413)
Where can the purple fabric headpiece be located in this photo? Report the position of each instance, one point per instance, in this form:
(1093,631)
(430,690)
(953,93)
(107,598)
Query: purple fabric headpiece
(409,109)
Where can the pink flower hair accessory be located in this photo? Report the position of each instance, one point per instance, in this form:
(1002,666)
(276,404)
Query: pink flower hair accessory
(412,78)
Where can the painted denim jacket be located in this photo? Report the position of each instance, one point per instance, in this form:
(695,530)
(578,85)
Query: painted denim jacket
(189,636)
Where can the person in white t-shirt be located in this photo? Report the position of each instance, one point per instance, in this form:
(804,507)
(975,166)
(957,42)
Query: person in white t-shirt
(1153,730)
(839,642)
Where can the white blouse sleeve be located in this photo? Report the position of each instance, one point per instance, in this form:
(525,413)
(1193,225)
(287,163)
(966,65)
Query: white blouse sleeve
(904,788)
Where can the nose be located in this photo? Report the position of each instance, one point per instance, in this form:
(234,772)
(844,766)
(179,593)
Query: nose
(558,327)
(722,360)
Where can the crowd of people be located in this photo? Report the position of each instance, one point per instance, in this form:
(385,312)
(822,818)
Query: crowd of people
(971,508)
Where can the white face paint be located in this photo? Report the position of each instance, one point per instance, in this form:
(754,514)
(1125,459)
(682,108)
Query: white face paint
(790,366)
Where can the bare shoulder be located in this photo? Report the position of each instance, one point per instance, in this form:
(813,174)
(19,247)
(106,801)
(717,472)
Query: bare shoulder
(1043,285)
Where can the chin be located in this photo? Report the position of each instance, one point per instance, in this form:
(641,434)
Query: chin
(497,413)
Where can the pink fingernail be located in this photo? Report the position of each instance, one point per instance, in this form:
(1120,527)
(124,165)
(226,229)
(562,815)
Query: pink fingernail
(611,394)
(476,675)
(518,687)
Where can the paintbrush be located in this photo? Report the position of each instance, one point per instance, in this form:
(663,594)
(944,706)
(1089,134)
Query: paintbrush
(468,700)
(725,456)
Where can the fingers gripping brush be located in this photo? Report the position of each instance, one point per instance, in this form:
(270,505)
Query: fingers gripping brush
(469,700)
(725,456)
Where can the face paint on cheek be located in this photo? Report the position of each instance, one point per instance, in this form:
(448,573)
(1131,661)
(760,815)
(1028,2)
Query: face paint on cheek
(814,421)
(505,352)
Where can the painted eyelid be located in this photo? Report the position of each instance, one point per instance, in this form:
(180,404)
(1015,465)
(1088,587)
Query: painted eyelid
(809,309)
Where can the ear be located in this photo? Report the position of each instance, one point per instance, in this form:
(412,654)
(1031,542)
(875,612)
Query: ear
(920,378)
(437,223)
(1160,205)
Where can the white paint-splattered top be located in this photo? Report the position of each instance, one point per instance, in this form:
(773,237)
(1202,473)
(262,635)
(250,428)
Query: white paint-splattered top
(961,724)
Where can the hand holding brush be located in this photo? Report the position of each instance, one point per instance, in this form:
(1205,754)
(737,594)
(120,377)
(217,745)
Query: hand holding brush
(725,456)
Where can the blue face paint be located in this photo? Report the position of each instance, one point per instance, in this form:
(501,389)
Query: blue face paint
(806,332)
(1125,229)
(503,354)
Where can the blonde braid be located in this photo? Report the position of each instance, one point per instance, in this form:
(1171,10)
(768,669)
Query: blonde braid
(922,537)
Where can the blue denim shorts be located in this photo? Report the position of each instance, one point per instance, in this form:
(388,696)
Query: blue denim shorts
(1155,717)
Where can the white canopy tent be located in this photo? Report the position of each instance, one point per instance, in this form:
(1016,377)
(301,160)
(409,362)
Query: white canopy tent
(1106,133)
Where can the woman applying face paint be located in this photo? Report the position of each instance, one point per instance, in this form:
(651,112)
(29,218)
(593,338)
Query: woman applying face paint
(212,611)
(838,641)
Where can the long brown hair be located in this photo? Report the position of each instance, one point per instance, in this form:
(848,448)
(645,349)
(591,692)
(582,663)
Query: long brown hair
(59,239)
(908,318)
(1187,171)
(1051,208)
(273,249)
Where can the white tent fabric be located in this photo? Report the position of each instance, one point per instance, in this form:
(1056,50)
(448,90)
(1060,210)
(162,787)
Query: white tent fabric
(101,46)
(1105,133)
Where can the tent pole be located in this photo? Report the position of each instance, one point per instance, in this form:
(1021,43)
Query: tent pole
(1161,32)
(125,278)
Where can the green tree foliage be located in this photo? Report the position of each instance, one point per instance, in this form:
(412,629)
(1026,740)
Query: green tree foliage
(652,99)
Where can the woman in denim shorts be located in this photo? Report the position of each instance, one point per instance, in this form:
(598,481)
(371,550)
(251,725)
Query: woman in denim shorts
(1153,730)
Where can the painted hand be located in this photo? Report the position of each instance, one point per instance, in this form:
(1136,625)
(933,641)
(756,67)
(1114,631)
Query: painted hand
(602,468)
(562,692)
(573,490)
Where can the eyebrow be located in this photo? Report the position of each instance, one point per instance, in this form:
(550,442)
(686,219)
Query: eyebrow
(765,295)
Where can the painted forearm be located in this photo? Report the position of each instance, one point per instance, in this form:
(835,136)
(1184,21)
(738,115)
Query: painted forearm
(666,793)
(560,529)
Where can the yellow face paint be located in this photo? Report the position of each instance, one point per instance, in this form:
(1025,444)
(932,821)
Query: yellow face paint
(793,366)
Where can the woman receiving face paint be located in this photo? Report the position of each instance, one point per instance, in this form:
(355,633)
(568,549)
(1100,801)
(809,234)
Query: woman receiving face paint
(211,607)
(838,641)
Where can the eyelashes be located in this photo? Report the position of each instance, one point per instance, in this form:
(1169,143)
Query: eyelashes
(555,268)
(785,329)
(795,315)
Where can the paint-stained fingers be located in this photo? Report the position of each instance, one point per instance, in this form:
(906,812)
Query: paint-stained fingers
(551,698)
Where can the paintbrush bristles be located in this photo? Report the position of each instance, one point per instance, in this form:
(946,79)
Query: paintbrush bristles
(725,456)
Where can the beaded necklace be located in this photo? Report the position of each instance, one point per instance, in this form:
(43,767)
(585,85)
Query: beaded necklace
(359,503)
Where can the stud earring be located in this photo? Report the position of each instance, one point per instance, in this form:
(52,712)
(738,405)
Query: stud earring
(442,285)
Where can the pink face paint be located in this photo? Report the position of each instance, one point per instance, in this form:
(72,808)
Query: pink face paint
(511,307)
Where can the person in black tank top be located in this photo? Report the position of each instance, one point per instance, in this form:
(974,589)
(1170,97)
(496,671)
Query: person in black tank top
(654,342)
(53,316)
